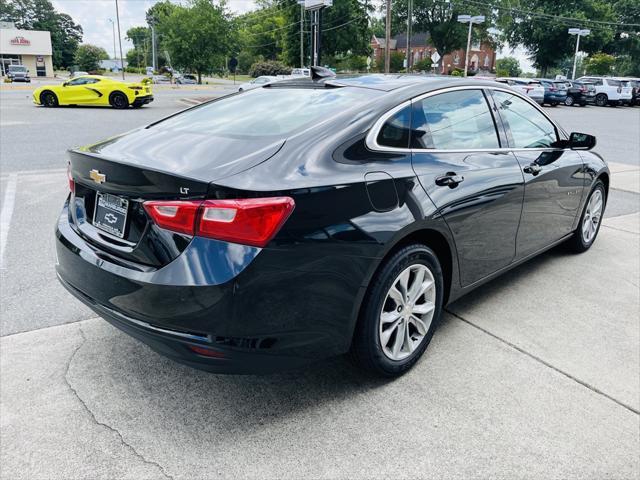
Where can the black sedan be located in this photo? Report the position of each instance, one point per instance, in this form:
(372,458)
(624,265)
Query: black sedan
(316,216)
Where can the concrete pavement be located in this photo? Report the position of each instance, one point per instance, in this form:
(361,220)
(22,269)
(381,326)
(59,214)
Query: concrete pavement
(533,376)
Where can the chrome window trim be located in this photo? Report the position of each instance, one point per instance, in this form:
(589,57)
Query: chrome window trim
(371,140)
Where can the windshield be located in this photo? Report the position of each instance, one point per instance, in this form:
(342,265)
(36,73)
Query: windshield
(17,68)
(268,111)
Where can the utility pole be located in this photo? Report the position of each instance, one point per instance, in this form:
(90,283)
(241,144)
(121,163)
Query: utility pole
(387,39)
(119,39)
(579,33)
(470,20)
(301,36)
(154,62)
(408,56)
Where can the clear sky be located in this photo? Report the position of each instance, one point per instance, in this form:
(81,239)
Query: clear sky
(94,17)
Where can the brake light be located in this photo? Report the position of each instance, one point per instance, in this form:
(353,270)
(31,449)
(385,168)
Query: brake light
(177,216)
(72,184)
(552,89)
(248,221)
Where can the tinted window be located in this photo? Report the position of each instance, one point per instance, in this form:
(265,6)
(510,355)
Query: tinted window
(614,83)
(269,111)
(395,131)
(455,120)
(529,127)
(78,81)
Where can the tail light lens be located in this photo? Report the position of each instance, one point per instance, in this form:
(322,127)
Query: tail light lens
(249,221)
(72,184)
(177,216)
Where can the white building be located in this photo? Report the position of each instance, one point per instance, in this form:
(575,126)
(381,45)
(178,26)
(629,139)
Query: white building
(31,48)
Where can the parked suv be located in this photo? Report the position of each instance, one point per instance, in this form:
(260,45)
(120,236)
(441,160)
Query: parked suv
(18,73)
(609,91)
(580,93)
(555,91)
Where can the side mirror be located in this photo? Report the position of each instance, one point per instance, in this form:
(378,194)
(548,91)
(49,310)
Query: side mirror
(65,84)
(581,141)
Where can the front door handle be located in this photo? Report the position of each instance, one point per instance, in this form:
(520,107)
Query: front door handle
(533,169)
(450,179)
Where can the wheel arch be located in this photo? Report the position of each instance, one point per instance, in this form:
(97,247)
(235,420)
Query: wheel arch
(116,92)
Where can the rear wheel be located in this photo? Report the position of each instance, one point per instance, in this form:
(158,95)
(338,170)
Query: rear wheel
(49,99)
(119,100)
(602,100)
(400,313)
(590,221)
(568,101)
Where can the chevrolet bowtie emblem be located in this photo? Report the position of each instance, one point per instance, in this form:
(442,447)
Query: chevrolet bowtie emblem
(97,177)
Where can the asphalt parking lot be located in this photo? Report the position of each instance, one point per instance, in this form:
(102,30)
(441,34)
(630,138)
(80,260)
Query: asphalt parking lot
(535,375)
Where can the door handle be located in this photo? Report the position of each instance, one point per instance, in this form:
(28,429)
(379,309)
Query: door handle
(450,179)
(533,169)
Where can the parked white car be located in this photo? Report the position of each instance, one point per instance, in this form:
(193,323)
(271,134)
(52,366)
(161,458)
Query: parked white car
(258,82)
(610,91)
(528,86)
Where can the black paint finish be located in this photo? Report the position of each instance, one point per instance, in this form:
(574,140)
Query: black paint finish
(298,299)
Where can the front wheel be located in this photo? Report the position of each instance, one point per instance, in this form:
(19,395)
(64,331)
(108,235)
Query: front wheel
(119,100)
(590,221)
(602,100)
(49,99)
(400,312)
(568,101)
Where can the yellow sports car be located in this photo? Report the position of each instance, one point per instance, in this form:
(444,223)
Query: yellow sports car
(95,90)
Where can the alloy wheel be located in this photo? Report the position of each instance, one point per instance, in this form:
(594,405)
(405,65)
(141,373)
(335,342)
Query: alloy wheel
(407,312)
(568,101)
(592,216)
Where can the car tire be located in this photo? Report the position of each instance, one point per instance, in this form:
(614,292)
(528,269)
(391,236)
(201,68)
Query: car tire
(49,99)
(585,235)
(241,90)
(119,100)
(380,355)
(554,104)
(568,101)
(602,100)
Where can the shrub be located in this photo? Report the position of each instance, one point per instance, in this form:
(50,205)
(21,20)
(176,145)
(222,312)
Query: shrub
(269,67)
(422,65)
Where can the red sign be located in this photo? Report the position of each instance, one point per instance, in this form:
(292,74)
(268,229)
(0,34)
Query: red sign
(20,41)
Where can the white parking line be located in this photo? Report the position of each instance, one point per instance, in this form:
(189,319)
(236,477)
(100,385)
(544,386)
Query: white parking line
(7,213)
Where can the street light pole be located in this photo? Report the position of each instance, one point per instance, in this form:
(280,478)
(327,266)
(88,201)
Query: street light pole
(387,36)
(578,33)
(113,27)
(301,35)
(409,11)
(119,39)
(471,20)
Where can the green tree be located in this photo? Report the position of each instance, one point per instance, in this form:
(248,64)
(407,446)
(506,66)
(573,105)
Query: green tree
(198,36)
(600,64)
(396,62)
(88,57)
(40,15)
(508,67)
(440,20)
(544,34)
(140,54)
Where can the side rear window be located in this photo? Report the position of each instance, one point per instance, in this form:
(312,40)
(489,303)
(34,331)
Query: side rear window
(395,132)
(459,120)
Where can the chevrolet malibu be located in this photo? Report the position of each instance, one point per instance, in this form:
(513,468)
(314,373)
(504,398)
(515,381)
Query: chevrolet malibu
(318,216)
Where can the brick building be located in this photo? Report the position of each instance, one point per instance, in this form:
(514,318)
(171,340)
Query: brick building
(482,57)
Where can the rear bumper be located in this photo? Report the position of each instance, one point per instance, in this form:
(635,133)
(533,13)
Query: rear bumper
(554,98)
(143,100)
(234,300)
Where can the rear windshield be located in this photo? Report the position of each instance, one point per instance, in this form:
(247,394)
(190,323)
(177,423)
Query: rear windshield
(269,111)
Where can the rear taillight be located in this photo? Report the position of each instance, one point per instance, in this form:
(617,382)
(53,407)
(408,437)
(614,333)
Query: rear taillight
(552,89)
(72,184)
(248,221)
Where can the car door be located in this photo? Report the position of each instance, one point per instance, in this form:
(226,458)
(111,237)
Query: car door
(475,183)
(93,91)
(554,179)
(73,91)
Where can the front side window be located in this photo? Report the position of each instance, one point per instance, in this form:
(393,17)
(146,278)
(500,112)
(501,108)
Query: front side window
(529,127)
(459,120)
(78,81)
(395,131)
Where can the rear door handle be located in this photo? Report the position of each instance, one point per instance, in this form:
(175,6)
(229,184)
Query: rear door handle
(533,169)
(450,179)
